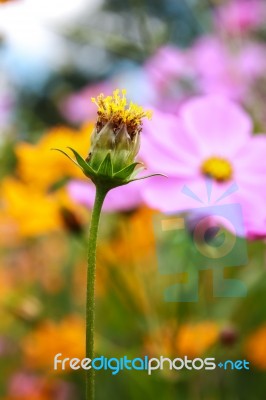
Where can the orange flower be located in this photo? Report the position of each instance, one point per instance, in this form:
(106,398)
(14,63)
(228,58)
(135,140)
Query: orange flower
(190,339)
(161,342)
(37,396)
(38,165)
(134,240)
(255,347)
(50,338)
(194,339)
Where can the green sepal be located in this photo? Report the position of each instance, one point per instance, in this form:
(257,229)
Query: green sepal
(86,168)
(145,177)
(106,167)
(126,172)
(137,171)
(104,176)
(65,154)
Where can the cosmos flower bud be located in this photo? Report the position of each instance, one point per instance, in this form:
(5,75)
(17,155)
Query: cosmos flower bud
(117,130)
(115,142)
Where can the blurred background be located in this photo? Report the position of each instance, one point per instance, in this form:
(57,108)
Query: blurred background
(54,56)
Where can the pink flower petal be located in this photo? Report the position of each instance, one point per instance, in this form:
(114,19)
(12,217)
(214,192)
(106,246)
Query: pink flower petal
(218,126)
(166,148)
(167,195)
(250,162)
(123,198)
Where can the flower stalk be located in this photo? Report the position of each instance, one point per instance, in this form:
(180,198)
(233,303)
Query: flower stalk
(90,297)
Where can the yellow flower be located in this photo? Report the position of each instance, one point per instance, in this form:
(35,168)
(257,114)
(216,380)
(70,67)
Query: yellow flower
(29,206)
(50,338)
(38,165)
(30,211)
(27,211)
(255,347)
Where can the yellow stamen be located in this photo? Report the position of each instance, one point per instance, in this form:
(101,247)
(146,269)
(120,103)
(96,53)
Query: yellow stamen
(217,168)
(116,109)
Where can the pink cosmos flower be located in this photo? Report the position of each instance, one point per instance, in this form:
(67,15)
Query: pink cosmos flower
(227,71)
(241,16)
(172,75)
(211,138)
(123,198)
(169,62)
(210,66)
(24,385)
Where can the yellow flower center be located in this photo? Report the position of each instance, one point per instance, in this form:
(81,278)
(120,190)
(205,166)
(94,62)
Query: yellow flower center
(217,168)
(116,109)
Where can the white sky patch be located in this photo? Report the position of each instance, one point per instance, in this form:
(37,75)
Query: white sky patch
(29,28)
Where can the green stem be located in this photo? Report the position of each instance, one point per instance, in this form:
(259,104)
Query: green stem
(91,275)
